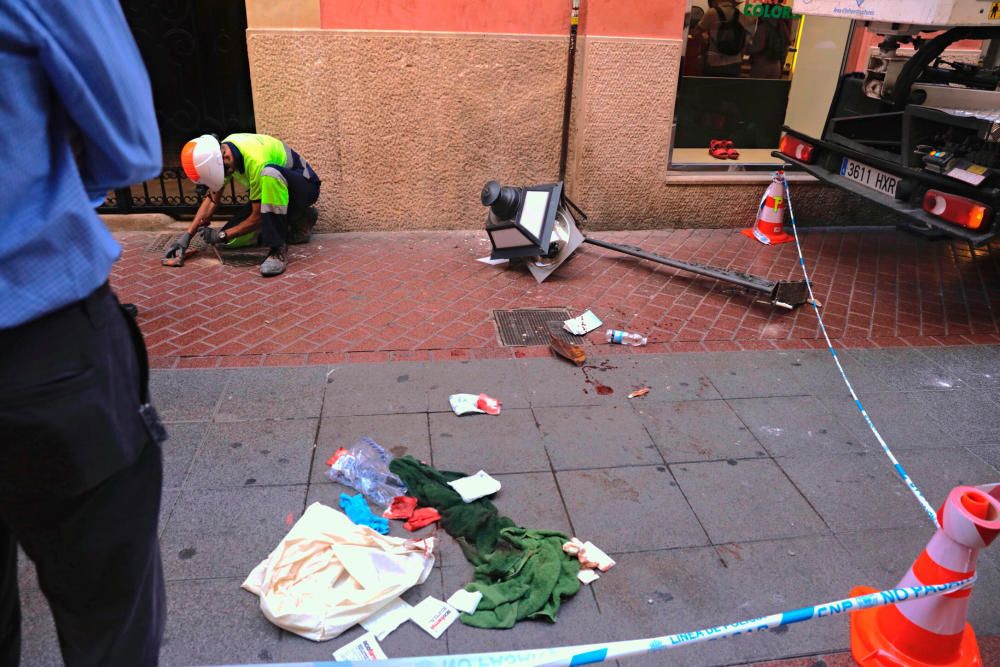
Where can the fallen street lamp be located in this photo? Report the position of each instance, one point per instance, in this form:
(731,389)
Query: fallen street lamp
(533,224)
(537,224)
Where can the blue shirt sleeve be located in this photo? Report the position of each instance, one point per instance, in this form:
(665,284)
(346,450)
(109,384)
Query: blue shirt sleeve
(92,61)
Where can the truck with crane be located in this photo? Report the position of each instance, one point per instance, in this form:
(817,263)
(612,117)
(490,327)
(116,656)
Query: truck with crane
(918,131)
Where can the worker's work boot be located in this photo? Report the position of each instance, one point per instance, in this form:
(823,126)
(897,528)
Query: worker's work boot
(300,229)
(275,263)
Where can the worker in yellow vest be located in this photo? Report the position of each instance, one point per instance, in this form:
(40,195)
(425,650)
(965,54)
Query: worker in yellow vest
(282,190)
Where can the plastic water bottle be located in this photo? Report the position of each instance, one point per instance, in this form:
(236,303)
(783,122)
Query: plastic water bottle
(625,338)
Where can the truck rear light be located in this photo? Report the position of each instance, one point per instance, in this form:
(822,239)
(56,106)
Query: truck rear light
(958,210)
(796,148)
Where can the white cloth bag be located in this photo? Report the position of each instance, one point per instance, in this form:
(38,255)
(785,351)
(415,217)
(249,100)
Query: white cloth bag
(328,574)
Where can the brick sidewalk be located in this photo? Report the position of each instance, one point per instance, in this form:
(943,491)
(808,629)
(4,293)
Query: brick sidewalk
(421,296)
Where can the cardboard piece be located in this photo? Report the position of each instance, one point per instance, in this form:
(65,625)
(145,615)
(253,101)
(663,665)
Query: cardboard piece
(475,486)
(383,622)
(465,601)
(583,324)
(363,649)
(434,616)
(463,404)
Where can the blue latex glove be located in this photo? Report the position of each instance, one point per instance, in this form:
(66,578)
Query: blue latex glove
(356,509)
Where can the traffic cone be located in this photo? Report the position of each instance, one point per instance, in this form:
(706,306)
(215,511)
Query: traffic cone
(769,228)
(932,631)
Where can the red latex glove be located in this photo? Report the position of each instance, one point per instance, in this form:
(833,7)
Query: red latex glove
(422,517)
(401,508)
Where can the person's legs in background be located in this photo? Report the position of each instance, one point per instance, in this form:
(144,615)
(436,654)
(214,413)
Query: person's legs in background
(276,224)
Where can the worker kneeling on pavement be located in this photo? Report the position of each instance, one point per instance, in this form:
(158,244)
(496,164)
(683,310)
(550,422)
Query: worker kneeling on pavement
(282,186)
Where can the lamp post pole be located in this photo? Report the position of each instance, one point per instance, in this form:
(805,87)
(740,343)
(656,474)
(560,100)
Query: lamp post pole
(574,22)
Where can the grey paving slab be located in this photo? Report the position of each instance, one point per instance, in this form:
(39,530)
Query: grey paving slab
(884,556)
(508,442)
(698,431)
(796,426)
(776,575)
(595,437)
(215,622)
(937,471)
(500,379)
(39,643)
(379,389)
(676,377)
(970,417)
(578,622)
(746,500)
(266,393)
(630,509)
(751,374)
(179,450)
(976,365)
(987,453)
(399,434)
(655,593)
(186,394)
(407,641)
(556,382)
(262,453)
(855,491)
(226,533)
(669,378)
(902,418)
(816,371)
(906,369)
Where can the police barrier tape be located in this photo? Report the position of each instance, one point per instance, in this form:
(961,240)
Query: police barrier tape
(907,480)
(588,654)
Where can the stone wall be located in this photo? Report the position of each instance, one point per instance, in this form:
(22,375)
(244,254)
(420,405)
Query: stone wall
(405,127)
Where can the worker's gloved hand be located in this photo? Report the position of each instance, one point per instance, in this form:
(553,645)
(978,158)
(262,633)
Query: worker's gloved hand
(210,235)
(356,509)
(177,248)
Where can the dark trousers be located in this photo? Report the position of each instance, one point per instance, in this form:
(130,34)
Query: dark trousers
(80,481)
(302,193)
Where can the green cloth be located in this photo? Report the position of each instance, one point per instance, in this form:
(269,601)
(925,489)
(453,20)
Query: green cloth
(521,573)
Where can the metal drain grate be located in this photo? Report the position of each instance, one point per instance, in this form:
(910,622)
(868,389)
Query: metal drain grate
(251,256)
(531,326)
(160,243)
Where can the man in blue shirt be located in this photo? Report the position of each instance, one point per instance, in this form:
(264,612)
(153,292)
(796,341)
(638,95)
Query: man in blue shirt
(80,462)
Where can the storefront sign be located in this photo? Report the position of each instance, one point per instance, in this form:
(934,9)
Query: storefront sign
(768,11)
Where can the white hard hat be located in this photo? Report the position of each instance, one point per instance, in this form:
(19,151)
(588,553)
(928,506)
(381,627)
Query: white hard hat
(201,159)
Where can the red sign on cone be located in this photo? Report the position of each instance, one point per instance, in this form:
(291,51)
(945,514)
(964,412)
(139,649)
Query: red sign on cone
(770,226)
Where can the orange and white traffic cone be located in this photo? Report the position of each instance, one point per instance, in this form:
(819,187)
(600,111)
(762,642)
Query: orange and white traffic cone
(932,631)
(769,228)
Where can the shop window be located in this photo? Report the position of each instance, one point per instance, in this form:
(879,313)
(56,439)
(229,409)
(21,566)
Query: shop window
(739,63)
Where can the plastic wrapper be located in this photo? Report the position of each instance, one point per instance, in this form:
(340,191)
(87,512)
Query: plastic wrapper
(364,467)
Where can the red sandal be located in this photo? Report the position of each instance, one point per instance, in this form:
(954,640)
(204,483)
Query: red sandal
(722,149)
(717,148)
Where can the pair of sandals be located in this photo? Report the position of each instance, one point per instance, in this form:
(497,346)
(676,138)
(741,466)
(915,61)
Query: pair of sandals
(722,149)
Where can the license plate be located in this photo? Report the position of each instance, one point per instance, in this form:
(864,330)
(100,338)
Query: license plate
(869,177)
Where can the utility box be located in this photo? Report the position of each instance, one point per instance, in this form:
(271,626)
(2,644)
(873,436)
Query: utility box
(912,12)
